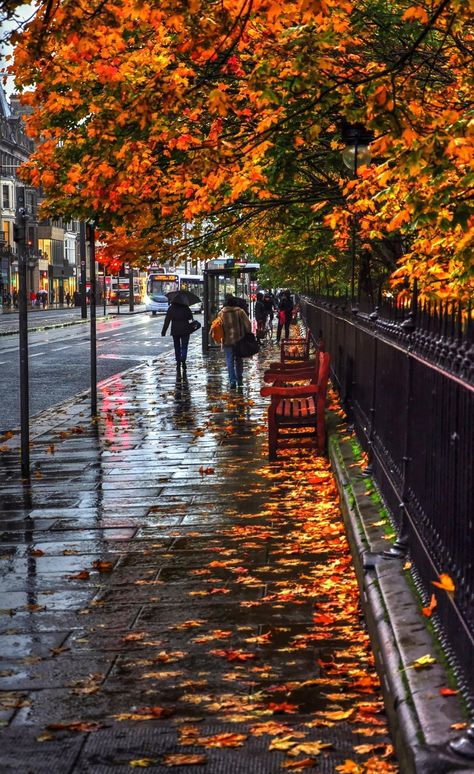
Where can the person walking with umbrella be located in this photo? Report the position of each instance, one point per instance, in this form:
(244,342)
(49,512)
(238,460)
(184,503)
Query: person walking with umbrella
(180,316)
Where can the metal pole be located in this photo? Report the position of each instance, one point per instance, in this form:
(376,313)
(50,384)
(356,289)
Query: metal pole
(105,294)
(83,257)
(354,236)
(23,345)
(131,299)
(93,320)
(118,293)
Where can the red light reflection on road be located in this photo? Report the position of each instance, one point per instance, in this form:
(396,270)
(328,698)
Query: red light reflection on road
(114,415)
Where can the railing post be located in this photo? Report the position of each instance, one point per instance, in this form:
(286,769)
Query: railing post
(400,547)
(369,469)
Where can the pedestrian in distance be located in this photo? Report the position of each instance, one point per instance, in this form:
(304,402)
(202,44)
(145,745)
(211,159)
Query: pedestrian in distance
(285,314)
(179,315)
(236,324)
(68,299)
(270,304)
(260,316)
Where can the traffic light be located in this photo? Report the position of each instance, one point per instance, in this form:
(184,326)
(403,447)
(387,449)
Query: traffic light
(19,234)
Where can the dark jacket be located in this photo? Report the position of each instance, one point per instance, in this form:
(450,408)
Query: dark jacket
(286,306)
(179,316)
(260,311)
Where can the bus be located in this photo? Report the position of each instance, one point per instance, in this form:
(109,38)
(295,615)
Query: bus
(161,283)
(120,286)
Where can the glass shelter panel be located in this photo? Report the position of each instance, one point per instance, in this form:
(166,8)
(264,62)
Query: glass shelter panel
(222,277)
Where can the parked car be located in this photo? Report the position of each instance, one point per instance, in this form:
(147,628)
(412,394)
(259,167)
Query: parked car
(157,303)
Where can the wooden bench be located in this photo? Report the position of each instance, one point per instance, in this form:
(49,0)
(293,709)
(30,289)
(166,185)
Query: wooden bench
(291,360)
(295,348)
(297,410)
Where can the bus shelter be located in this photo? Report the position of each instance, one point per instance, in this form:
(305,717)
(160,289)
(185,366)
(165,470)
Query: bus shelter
(222,276)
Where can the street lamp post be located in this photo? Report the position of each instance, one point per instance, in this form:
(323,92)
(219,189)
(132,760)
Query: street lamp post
(93,318)
(355,154)
(83,258)
(20,238)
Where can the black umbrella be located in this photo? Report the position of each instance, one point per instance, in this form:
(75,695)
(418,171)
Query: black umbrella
(183,297)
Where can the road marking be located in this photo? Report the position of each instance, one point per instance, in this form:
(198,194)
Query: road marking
(37,354)
(68,346)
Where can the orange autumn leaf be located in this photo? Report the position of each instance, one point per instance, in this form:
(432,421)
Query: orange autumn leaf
(134,636)
(310,748)
(339,714)
(304,763)
(223,740)
(428,610)
(448,692)
(234,655)
(74,725)
(283,707)
(445,582)
(180,759)
(103,566)
(83,575)
(270,727)
(144,713)
(350,767)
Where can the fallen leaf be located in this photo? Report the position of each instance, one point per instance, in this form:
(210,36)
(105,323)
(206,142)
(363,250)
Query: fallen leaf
(283,707)
(234,655)
(144,713)
(178,759)
(350,767)
(303,763)
(424,662)
(428,610)
(339,714)
(142,763)
(310,748)
(445,582)
(102,566)
(282,743)
(448,692)
(74,725)
(223,740)
(83,575)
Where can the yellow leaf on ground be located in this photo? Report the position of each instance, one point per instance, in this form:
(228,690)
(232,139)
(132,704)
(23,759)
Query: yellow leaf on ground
(424,662)
(310,748)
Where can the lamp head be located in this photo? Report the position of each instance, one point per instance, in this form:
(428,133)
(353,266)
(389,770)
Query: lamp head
(363,156)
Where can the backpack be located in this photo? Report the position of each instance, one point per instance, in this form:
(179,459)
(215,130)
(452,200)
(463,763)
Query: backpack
(217,330)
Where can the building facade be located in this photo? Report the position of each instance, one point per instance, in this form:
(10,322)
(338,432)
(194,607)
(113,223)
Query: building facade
(51,245)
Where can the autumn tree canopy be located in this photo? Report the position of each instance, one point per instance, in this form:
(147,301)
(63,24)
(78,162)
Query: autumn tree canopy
(227,116)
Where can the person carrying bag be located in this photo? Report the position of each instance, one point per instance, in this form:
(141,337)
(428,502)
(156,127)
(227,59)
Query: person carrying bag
(237,325)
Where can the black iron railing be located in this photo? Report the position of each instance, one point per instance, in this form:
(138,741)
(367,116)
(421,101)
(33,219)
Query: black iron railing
(405,376)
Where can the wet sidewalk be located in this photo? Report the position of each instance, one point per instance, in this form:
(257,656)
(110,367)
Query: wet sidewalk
(172,601)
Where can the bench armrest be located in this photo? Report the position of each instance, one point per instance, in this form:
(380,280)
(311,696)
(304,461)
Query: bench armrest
(290,392)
